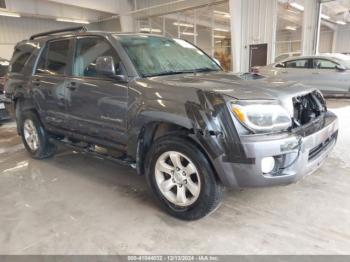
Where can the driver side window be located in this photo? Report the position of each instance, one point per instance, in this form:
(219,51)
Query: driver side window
(88,49)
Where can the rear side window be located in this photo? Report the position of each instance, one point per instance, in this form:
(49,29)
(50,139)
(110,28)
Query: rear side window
(300,63)
(54,58)
(19,59)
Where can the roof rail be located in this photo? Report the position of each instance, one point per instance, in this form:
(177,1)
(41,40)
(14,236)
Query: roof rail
(69,29)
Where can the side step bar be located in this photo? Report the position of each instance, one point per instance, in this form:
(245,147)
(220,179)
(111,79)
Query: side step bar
(123,160)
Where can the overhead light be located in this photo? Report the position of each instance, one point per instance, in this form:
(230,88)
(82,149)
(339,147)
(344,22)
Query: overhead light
(221,29)
(188,33)
(10,14)
(293,28)
(150,30)
(69,20)
(325,16)
(183,24)
(340,22)
(219,36)
(227,15)
(218,42)
(297,6)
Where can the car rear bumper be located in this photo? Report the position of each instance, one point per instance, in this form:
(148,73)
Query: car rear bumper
(295,156)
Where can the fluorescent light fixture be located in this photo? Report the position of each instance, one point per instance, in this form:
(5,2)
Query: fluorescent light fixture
(3,13)
(325,16)
(183,24)
(218,42)
(221,30)
(292,28)
(227,15)
(188,33)
(150,30)
(69,20)
(297,6)
(340,22)
(219,36)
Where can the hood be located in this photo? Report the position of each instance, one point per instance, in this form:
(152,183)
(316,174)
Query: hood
(232,85)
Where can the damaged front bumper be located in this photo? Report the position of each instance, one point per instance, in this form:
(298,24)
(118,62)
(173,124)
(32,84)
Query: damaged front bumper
(296,155)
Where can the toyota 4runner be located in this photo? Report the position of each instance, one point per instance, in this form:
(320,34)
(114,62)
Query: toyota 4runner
(164,107)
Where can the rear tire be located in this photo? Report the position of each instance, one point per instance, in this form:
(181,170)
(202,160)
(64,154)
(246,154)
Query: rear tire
(35,137)
(188,189)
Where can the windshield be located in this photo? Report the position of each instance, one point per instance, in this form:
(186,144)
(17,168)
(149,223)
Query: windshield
(154,56)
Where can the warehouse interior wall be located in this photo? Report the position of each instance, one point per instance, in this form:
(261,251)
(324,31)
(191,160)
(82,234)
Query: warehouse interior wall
(14,30)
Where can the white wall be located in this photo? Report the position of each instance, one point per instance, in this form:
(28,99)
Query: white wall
(342,44)
(252,22)
(14,30)
(326,41)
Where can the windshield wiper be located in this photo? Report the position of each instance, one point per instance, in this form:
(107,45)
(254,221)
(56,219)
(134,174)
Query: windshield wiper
(204,69)
(197,70)
(167,73)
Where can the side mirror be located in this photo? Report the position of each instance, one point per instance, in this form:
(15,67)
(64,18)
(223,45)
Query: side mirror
(105,66)
(340,68)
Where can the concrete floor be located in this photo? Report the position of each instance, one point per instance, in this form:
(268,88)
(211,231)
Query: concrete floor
(76,204)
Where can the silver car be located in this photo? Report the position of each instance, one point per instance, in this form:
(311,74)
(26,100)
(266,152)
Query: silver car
(330,73)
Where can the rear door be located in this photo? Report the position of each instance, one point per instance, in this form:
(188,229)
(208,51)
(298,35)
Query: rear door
(49,81)
(96,105)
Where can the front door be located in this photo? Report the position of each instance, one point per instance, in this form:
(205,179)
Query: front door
(328,79)
(96,105)
(49,82)
(297,70)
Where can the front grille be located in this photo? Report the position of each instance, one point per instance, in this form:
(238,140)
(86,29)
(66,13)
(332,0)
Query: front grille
(307,108)
(319,148)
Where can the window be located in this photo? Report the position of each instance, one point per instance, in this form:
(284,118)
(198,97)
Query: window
(54,58)
(301,63)
(19,59)
(324,64)
(87,51)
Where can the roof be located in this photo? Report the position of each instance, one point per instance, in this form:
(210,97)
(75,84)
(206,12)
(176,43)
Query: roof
(335,56)
(80,30)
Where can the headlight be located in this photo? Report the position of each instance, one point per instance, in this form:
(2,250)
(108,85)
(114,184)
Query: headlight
(261,116)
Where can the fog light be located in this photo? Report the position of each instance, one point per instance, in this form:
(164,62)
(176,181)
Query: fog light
(267,164)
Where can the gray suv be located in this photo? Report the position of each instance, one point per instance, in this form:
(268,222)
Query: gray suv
(167,109)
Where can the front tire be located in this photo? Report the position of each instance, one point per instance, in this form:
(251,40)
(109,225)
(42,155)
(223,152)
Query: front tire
(34,136)
(182,179)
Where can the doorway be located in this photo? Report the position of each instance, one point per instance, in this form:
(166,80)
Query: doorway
(258,55)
